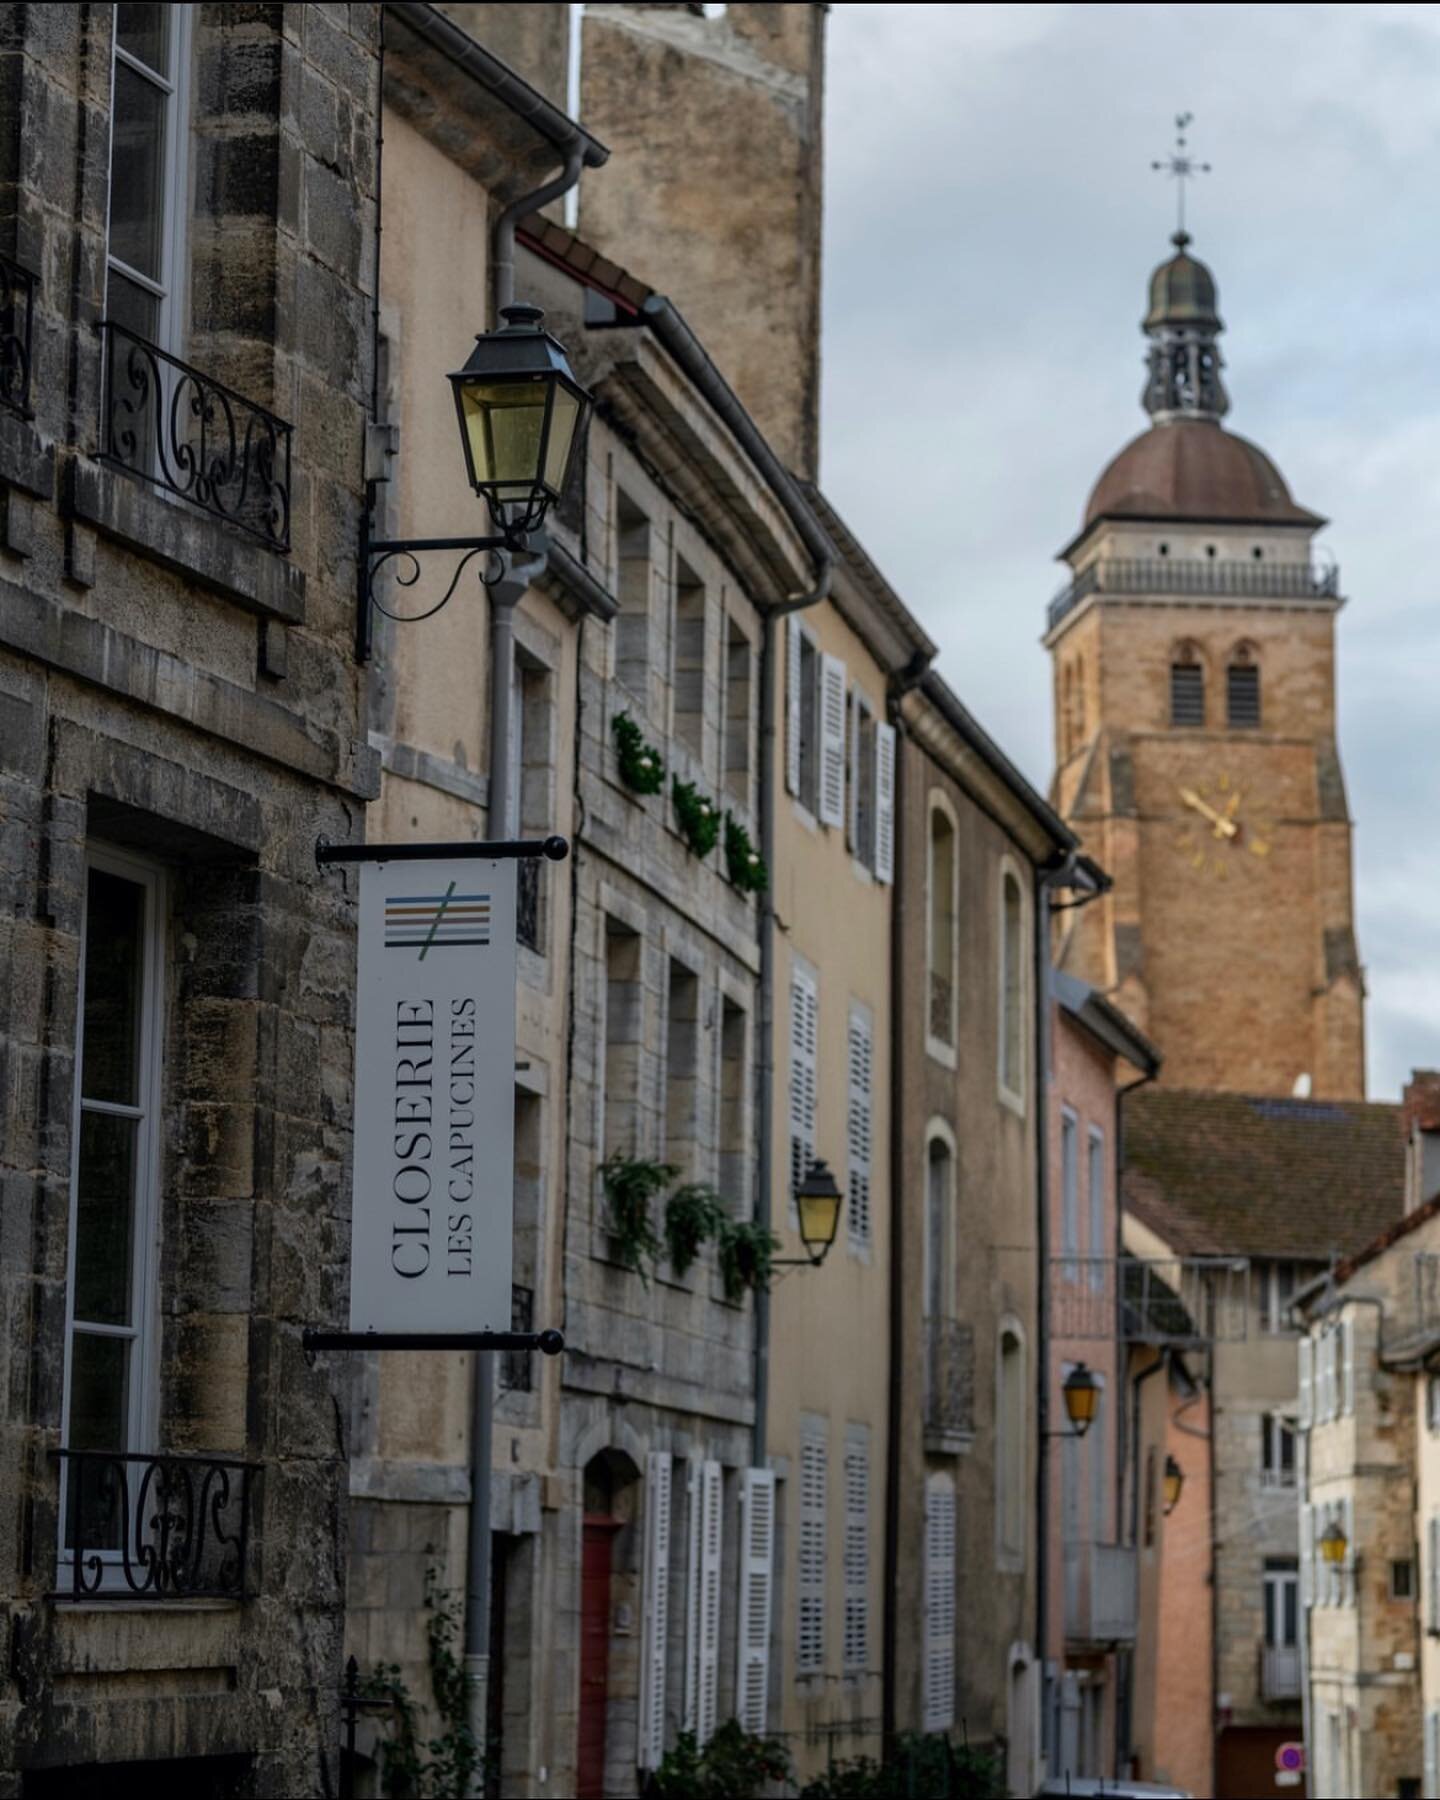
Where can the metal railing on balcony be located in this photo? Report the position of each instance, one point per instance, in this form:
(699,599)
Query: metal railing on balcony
(1101,1593)
(1279,1672)
(164,422)
(949,1381)
(165,1527)
(17,332)
(527,902)
(1176,1300)
(1211,576)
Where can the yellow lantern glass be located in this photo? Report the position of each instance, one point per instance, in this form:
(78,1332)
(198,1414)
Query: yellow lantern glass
(1082,1398)
(1334,1545)
(817,1202)
(1174,1481)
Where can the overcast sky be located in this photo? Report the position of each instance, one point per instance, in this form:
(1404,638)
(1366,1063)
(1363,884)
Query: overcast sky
(992,221)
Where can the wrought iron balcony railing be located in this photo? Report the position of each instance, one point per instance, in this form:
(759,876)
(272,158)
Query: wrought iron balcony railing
(166,1527)
(165,422)
(1203,576)
(527,902)
(17,329)
(1176,1300)
(949,1379)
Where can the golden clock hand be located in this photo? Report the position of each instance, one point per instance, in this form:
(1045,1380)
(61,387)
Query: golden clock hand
(1223,827)
(1232,805)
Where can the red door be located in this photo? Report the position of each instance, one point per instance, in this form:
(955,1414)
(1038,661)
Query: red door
(598,1541)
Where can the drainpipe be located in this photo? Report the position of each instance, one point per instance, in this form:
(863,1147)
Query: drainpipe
(1043,880)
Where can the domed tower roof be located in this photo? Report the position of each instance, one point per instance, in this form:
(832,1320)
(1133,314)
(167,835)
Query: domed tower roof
(1182,292)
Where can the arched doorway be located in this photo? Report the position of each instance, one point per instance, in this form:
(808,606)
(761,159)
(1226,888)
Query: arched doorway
(609,1616)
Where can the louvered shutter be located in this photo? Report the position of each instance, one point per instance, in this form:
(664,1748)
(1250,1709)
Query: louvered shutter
(938,1697)
(1432,1570)
(1432,1759)
(854,712)
(832,741)
(1306,1351)
(810,1584)
(695,1531)
(884,802)
(857,1555)
(708,1635)
(1348,1342)
(655,1632)
(757,1550)
(792,704)
(804,1051)
(859,1130)
(1307,1556)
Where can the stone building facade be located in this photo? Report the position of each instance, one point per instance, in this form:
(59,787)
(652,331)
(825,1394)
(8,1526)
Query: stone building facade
(187,204)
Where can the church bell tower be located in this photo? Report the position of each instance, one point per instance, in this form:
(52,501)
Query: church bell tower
(1193,655)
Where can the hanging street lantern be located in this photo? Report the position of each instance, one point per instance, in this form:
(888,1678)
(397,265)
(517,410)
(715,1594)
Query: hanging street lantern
(1173,1484)
(520,409)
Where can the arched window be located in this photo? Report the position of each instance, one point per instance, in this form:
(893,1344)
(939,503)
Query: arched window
(1187,686)
(1012,987)
(1242,689)
(1010,1445)
(941,936)
(939,1217)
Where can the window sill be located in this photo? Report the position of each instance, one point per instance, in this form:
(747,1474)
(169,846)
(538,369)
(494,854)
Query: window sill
(26,461)
(941,1052)
(1009,1098)
(948,1443)
(175,535)
(111,1603)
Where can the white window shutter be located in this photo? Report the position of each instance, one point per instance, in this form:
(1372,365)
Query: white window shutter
(853,709)
(1307,1556)
(884,801)
(811,1560)
(792,703)
(1348,1340)
(804,1080)
(857,1555)
(655,1631)
(938,1686)
(1306,1351)
(712,1487)
(832,741)
(1432,1572)
(757,1552)
(859,1131)
(695,1527)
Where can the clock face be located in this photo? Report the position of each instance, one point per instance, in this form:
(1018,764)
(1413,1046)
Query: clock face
(1221,832)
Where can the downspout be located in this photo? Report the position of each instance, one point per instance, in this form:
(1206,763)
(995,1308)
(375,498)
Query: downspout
(1043,1010)
(505,595)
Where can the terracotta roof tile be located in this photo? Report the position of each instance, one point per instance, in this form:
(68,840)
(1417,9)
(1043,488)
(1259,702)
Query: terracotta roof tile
(1234,1174)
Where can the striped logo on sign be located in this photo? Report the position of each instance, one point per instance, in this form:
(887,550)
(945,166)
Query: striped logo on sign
(436,921)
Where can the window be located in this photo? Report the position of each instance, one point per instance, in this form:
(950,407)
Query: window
(682,1068)
(1276,1284)
(810,1628)
(856,1647)
(1187,691)
(1282,1602)
(114,1223)
(816,753)
(862,780)
(1012,988)
(1099,1244)
(938,1681)
(624,1039)
(860,1126)
(804,1049)
(1242,690)
(939,1206)
(942,878)
(688,676)
(1010,1509)
(632,588)
(1402,1579)
(734,1171)
(145,267)
(737,713)
(1070,1189)
(1277,1450)
(1432,1402)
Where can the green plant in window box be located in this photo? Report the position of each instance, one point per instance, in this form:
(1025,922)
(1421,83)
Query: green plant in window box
(699,818)
(743,862)
(694,1214)
(631,1184)
(642,768)
(747,1251)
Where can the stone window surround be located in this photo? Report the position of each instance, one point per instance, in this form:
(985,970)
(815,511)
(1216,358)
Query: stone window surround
(1015,1097)
(944,1052)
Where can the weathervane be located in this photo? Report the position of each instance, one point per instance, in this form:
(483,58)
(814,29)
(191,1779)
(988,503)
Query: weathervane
(1182,165)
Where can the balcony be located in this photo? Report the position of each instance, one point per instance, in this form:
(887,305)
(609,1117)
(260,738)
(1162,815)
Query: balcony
(17,324)
(1279,1672)
(1204,578)
(166,423)
(1100,1594)
(155,1527)
(1176,1300)
(949,1386)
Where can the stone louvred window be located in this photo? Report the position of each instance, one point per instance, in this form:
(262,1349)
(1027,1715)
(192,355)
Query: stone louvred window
(1187,694)
(1242,696)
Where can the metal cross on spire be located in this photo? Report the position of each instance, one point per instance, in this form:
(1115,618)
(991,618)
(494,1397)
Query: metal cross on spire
(1182,165)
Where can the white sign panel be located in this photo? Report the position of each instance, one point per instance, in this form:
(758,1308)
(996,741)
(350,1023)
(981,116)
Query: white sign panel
(433,1210)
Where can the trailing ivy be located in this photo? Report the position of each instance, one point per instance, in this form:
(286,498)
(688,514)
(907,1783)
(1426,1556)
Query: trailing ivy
(747,1252)
(642,768)
(694,1214)
(699,818)
(631,1184)
(743,862)
(443,1767)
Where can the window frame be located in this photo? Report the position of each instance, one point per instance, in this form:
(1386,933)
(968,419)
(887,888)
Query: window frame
(1274,1428)
(1186,657)
(1013,1095)
(172,290)
(1096,1196)
(1011,1499)
(944,1050)
(144,1335)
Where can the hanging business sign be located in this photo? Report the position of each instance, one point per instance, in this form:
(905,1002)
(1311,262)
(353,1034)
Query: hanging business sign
(432,1218)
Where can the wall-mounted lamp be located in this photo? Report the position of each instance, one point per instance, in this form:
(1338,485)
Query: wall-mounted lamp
(1334,1545)
(1173,1485)
(1081,1394)
(817,1202)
